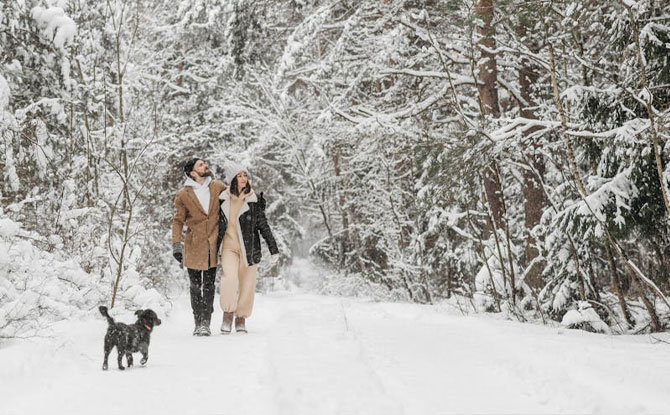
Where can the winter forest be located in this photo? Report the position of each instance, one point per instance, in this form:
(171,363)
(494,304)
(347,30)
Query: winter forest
(505,157)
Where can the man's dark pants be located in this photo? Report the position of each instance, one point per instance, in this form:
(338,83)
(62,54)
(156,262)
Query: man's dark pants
(202,294)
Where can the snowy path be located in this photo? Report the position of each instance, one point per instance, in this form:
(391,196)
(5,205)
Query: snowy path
(317,355)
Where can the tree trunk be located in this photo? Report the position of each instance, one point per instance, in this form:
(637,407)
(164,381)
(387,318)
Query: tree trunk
(350,235)
(488,69)
(616,285)
(532,190)
(488,98)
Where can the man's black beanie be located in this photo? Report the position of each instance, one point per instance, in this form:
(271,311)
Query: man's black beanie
(188,166)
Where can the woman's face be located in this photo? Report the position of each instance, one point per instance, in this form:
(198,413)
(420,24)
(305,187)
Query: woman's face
(242,180)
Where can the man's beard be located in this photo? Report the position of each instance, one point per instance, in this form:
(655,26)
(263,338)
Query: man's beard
(206,173)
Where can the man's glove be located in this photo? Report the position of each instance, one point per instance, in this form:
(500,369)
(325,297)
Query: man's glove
(178,251)
(274,259)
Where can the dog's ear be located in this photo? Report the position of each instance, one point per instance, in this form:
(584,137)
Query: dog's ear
(139,312)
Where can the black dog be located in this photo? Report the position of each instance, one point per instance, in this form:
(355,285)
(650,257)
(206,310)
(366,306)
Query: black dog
(129,339)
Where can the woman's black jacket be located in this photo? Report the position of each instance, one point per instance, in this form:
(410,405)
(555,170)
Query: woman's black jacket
(252,223)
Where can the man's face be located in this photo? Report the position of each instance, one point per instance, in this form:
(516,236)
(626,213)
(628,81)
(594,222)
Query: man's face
(200,170)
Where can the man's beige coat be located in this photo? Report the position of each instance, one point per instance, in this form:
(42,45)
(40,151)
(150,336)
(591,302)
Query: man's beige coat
(201,229)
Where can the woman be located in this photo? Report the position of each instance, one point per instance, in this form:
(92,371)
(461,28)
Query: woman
(242,221)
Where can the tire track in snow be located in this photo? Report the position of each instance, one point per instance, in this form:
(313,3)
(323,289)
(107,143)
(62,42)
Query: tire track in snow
(319,366)
(370,357)
(440,366)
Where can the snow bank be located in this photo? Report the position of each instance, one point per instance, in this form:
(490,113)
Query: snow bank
(38,288)
(356,285)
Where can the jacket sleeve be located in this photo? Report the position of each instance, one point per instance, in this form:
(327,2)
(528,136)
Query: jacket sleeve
(178,219)
(264,228)
(220,188)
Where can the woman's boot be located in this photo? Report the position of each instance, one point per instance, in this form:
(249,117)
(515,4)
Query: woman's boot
(239,325)
(227,325)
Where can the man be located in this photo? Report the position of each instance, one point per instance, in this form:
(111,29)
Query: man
(197,207)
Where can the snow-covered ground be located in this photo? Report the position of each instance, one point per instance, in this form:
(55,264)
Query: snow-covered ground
(309,354)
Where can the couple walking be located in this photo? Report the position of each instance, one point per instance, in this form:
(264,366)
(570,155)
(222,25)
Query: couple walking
(223,226)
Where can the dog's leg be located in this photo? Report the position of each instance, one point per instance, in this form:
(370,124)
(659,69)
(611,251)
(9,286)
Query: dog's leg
(108,349)
(144,349)
(121,353)
(129,359)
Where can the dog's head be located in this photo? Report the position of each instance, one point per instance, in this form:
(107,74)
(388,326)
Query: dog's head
(148,318)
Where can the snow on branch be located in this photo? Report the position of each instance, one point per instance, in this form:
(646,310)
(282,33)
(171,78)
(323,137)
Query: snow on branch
(627,131)
(55,25)
(372,116)
(620,189)
(457,80)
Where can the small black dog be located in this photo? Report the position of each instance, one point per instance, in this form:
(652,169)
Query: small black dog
(129,339)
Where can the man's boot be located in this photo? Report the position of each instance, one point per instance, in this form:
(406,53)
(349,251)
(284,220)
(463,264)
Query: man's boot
(239,325)
(204,329)
(227,324)
(197,331)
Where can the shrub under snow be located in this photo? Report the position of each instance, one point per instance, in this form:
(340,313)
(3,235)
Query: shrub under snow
(585,317)
(39,287)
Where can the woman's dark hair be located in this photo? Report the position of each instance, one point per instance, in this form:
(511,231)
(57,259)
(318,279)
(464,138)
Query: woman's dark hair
(234,187)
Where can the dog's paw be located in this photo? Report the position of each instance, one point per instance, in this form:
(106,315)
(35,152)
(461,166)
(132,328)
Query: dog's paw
(122,368)
(143,361)
(104,367)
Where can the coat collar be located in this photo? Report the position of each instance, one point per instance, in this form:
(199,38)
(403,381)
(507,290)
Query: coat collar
(196,202)
(194,199)
(251,197)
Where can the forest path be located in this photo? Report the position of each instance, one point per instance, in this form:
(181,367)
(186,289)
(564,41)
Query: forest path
(317,355)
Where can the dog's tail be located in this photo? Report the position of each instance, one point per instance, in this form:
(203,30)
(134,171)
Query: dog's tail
(103,311)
